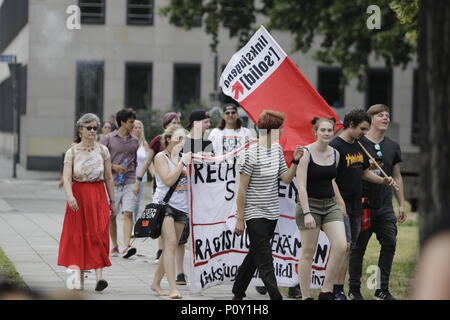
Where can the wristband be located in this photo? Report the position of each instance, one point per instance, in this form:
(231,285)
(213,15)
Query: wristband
(139,178)
(305,213)
(295,161)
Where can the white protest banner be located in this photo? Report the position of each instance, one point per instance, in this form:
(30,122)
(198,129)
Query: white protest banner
(217,252)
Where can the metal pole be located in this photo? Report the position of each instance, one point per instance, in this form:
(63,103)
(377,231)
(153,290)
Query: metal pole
(13,67)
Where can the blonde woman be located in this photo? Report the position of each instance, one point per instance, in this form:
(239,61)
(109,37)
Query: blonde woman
(142,153)
(170,164)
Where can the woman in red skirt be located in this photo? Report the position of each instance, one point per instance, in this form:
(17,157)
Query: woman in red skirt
(84,243)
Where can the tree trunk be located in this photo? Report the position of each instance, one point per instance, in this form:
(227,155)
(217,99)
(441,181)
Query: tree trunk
(434,111)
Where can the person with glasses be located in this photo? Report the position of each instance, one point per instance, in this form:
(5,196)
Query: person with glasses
(352,168)
(378,199)
(229,135)
(106,129)
(123,148)
(84,242)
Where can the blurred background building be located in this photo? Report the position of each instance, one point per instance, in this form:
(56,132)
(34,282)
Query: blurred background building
(126,54)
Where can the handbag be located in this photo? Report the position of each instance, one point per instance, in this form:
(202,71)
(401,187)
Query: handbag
(151,220)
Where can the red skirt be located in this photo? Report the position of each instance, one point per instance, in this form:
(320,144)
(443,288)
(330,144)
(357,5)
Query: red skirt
(84,240)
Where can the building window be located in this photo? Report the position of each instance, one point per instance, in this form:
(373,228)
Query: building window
(89,91)
(186,84)
(379,88)
(6,106)
(329,79)
(92,11)
(415,134)
(138,86)
(140,12)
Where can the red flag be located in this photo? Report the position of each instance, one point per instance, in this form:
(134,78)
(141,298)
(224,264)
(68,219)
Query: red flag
(261,76)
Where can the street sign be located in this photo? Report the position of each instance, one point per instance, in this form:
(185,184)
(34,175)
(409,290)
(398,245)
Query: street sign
(7,58)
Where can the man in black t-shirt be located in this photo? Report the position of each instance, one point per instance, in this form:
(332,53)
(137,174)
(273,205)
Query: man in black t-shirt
(199,122)
(378,199)
(353,167)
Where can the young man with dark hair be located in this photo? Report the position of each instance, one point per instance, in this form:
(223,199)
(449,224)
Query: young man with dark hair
(353,167)
(123,149)
(378,200)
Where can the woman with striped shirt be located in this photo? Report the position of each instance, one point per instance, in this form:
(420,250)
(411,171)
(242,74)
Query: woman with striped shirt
(257,202)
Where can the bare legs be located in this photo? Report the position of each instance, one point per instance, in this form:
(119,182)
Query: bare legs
(335,232)
(309,238)
(127,229)
(113,230)
(171,233)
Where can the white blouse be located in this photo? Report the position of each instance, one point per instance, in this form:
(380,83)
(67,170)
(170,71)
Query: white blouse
(88,166)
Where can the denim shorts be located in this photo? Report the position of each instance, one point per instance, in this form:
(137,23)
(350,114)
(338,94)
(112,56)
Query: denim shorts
(180,217)
(177,215)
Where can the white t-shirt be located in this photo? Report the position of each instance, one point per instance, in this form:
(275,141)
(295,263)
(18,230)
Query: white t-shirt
(228,140)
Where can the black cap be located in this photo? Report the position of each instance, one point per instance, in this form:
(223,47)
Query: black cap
(229,106)
(197,115)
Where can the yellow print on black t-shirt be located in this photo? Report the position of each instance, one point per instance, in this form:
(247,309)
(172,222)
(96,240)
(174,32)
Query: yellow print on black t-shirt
(354,158)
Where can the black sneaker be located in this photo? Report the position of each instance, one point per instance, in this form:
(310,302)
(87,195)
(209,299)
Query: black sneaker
(261,289)
(128,252)
(294,292)
(101,285)
(383,294)
(181,279)
(340,296)
(326,296)
(355,294)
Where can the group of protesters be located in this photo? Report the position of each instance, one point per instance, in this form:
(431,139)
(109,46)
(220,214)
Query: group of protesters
(338,179)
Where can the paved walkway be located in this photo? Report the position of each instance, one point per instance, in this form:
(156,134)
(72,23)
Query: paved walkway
(31,218)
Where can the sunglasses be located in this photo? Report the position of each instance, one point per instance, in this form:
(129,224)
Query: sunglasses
(91,128)
(377,147)
(228,113)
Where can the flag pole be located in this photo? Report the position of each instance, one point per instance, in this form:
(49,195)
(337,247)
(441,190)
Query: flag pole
(376,163)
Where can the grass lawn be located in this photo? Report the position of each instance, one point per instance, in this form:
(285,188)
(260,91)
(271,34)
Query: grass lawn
(403,267)
(8,270)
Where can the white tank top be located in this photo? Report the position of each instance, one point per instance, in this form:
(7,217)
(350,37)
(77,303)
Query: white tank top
(179,199)
(141,156)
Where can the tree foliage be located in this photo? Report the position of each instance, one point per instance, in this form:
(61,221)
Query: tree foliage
(339,26)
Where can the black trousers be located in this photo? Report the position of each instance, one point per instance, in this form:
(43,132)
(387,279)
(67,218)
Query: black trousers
(260,233)
(384,225)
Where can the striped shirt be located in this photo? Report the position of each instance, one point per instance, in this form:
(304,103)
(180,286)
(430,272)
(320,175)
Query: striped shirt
(264,166)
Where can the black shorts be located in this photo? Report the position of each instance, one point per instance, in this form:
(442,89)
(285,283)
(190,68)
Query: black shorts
(180,217)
